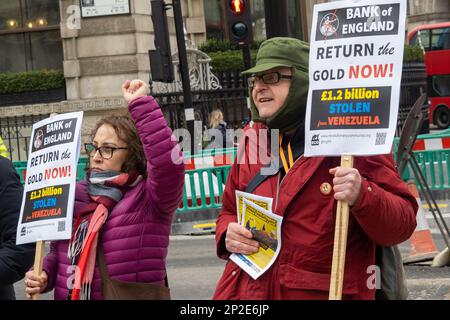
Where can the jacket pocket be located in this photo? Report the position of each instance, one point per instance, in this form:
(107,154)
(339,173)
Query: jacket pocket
(229,283)
(303,284)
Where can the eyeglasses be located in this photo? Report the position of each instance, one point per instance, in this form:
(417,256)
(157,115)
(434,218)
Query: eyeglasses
(267,78)
(105,152)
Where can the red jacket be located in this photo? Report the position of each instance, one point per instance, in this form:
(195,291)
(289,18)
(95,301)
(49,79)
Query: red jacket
(384,214)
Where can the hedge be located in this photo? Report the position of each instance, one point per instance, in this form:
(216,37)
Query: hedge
(216,45)
(222,60)
(31,81)
(230,60)
(413,54)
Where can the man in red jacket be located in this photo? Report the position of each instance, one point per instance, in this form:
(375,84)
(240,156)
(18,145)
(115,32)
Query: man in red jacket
(304,192)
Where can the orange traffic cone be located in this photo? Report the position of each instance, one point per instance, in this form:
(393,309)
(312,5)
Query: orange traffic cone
(422,244)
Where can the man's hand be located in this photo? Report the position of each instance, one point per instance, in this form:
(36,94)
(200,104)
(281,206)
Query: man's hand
(134,89)
(239,240)
(347,184)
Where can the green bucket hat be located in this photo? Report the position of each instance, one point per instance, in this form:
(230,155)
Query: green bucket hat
(281,52)
(291,53)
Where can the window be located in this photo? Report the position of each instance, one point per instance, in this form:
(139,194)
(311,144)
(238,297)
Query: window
(294,22)
(42,43)
(29,35)
(214,19)
(259,20)
(424,39)
(10,14)
(434,39)
(12,53)
(413,40)
(441,86)
(43,9)
(440,39)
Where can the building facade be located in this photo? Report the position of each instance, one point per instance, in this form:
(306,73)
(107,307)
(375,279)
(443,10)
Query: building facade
(96,54)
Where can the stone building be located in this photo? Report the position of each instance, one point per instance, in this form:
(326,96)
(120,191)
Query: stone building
(98,53)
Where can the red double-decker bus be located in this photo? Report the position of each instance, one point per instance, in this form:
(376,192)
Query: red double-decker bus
(435,41)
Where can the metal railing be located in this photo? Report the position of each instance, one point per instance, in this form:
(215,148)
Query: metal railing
(16,134)
(413,84)
(434,165)
(231,101)
(203,187)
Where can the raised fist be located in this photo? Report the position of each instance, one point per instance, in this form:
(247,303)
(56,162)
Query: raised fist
(134,89)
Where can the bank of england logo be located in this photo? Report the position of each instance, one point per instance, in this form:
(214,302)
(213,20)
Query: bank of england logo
(38,139)
(315,140)
(329,25)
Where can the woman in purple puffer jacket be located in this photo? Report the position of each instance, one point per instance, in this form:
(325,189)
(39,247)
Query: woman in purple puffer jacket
(126,205)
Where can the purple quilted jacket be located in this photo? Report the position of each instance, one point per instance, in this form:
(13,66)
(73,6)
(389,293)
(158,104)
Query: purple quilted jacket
(136,234)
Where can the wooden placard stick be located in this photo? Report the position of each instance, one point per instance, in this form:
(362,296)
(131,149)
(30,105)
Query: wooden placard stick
(340,241)
(38,263)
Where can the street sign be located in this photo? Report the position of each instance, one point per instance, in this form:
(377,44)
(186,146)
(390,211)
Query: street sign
(101,8)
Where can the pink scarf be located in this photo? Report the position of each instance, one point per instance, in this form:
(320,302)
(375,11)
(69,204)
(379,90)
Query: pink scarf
(106,189)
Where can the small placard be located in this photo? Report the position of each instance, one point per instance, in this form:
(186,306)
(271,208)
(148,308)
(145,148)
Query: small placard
(101,8)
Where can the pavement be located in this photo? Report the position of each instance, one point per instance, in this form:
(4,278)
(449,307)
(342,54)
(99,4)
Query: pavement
(194,270)
(192,267)
(427,283)
(444,207)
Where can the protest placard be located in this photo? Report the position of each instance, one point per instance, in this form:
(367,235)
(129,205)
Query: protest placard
(355,70)
(49,189)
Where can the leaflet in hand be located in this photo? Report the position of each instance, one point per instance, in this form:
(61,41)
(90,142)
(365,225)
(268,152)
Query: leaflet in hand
(263,202)
(266,229)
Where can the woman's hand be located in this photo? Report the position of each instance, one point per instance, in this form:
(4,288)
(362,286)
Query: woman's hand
(134,89)
(239,240)
(35,284)
(347,184)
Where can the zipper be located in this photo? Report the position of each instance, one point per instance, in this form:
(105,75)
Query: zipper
(278,191)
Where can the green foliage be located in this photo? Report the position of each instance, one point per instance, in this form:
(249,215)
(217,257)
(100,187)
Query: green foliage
(31,81)
(215,45)
(412,54)
(226,56)
(218,45)
(256,44)
(230,60)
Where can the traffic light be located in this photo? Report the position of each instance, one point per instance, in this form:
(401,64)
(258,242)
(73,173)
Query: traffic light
(161,58)
(239,21)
